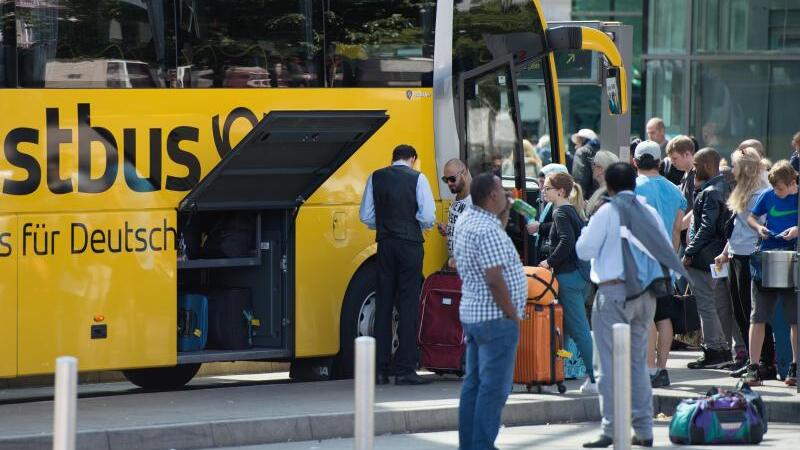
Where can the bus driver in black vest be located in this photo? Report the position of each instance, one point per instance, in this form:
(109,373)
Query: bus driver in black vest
(398,204)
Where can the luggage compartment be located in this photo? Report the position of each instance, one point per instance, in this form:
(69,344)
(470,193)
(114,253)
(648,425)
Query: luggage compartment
(261,270)
(236,226)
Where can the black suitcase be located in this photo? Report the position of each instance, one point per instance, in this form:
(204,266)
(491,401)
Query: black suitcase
(230,319)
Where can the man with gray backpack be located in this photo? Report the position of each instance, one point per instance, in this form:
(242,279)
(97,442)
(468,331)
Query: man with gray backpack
(631,257)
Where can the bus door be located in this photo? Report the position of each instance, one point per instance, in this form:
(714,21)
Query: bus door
(491,133)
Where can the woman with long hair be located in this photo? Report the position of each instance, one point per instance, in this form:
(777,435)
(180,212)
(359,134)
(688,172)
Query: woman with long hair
(748,169)
(564,262)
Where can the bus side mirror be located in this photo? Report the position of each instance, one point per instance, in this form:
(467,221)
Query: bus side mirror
(613,88)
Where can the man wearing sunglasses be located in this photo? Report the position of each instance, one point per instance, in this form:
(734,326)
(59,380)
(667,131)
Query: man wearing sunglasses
(458,180)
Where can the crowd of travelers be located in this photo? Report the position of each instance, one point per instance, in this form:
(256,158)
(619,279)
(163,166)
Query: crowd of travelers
(634,240)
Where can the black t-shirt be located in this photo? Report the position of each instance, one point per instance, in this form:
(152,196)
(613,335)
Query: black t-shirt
(670,172)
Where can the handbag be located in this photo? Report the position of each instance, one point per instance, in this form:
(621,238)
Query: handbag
(685,318)
(721,417)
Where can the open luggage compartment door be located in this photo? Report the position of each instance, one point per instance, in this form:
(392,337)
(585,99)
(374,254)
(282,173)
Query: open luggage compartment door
(283,160)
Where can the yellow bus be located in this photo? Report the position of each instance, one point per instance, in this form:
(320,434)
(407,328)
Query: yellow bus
(131,127)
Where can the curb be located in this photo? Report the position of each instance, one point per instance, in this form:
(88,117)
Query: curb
(240,432)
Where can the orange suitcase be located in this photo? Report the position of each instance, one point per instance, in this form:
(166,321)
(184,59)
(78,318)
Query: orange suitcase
(541,341)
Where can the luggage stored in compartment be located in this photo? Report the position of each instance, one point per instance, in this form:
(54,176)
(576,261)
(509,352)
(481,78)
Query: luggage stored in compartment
(231,234)
(440,335)
(541,340)
(192,322)
(231,319)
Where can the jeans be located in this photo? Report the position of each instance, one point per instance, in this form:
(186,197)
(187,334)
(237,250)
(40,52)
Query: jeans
(713,307)
(610,307)
(491,351)
(572,291)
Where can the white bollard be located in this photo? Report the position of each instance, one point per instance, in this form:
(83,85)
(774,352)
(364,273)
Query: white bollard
(622,386)
(66,397)
(364,433)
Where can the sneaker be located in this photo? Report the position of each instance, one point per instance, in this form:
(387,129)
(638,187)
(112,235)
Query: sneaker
(588,387)
(739,363)
(751,377)
(711,359)
(791,377)
(737,373)
(767,372)
(661,379)
(641,442)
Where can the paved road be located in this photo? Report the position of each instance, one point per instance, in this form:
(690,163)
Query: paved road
(570,436)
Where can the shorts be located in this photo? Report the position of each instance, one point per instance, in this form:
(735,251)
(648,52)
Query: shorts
(764,302)
(664,308)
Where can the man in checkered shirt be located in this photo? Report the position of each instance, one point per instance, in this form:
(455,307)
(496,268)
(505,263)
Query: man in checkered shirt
(494,290)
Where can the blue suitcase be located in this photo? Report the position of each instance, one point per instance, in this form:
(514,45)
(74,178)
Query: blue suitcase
(192,322)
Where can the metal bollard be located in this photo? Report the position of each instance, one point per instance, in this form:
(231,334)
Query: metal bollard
(66,397)
(364,433)
(622,386)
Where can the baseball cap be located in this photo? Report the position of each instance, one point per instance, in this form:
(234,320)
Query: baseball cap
(647,148)
(585,133)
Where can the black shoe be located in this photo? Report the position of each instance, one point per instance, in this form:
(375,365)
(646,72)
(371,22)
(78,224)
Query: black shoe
(601,442)
(635,440)
(751,377)
(791,377)
(767,372)
(382,378)
(678,346)
(411,379)
(661,379)
(737,364)
(711,359)
(737,373)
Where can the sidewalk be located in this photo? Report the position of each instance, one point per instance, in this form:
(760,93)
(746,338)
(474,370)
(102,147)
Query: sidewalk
(276,411)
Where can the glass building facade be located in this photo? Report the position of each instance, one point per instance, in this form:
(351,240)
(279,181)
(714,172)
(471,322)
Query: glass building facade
(725,70)
(720,70)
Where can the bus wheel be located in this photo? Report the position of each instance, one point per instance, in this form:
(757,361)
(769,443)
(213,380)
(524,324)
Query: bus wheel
(358,318)
(162,378)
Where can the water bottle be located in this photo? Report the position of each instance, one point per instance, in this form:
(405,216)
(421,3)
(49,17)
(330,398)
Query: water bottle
(524,209)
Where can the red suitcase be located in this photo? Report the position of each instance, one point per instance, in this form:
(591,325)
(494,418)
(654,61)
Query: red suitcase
(440,336)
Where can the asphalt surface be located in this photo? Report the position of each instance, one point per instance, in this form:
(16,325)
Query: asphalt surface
(558,436)
(261,409)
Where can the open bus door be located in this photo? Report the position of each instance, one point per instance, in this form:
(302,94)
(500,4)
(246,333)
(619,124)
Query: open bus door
(491,134)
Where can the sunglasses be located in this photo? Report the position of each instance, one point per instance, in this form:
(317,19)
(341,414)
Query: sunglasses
(453,178)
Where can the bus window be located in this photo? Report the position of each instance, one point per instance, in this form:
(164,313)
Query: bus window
(488,29)
(534,121)
(7,35)
(375,43)
(91,43)
(255,44)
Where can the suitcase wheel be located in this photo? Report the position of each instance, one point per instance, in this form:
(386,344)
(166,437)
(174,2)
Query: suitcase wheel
(562,388)
(534,388)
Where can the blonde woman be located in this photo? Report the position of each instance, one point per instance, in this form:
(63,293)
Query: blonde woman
(602,159)
(576,199)
(747,169)
(533,164)
(563,261)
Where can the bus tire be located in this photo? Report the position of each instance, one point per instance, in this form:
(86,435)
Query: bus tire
(162,378)
(362,287)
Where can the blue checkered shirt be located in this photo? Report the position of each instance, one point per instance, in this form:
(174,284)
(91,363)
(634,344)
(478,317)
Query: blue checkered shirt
(480,243)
